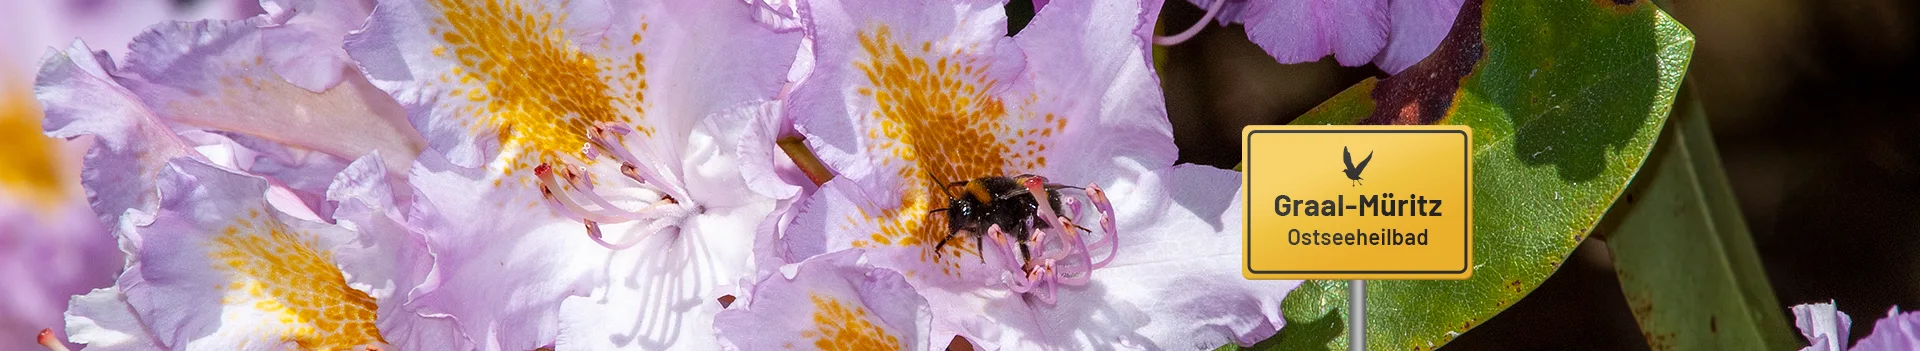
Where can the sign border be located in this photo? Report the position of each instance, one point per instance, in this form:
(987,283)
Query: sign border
(1246,249)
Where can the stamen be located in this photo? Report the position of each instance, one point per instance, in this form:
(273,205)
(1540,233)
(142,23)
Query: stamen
(377,346)
(552,189)
(1037,187)
(1021,283)
(559,185)
(1069,264)
(586,189)
(1212,9)
(653,227)
(1105,208)
(605,135)
(47,340)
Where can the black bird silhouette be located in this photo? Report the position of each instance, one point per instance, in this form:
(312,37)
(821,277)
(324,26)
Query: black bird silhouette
(1353,172)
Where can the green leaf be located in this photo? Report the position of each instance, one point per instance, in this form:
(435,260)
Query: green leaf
(1685,259)
(1566,98)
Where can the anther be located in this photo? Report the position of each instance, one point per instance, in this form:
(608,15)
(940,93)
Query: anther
(46,339)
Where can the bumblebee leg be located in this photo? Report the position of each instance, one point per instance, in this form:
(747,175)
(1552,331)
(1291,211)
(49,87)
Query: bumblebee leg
(980,247)
(942,244)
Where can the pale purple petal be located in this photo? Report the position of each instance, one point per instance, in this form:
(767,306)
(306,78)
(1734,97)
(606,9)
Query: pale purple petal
(305,45)
(1234,11)
(388,258)
(766,168)
(1092,83)
(1899,331)
(218,75)
(781,15)
(832,300)
(1294,31)
(966,58)
(664,292)
(467,72)
(1391,34)
(502,276)
(1824,326)
(224,270)
(1418,27)
(130,145)
(103,321)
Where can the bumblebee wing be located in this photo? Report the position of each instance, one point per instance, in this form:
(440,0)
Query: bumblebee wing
(1012,194)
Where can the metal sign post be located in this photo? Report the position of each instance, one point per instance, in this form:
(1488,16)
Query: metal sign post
(1356,315)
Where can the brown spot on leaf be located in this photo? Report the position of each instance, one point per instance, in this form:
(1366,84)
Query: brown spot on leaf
(1618,6)
(1423,93)
(1409,114)
(1658,341)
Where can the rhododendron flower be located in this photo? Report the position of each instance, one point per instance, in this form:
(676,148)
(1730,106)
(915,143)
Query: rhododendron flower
(219,268)
(842,301)
(582,189)
(905,98)
(1826,329)
(1392,34)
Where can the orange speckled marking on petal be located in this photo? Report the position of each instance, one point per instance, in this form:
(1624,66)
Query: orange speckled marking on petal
(935,112)
(847,329)
(531,84)
(29,161)
(283,274)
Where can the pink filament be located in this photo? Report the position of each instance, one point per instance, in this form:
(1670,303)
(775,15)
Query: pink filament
(1073,263)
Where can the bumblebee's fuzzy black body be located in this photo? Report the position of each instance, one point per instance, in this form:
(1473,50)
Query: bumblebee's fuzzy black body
(987,201)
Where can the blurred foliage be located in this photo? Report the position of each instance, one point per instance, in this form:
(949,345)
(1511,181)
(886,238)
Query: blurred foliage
(1685,259)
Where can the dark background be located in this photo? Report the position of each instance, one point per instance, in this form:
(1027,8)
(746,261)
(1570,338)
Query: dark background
(1813,106)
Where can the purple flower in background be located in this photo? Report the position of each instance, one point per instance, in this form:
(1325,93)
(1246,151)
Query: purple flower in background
(1826,329)
(51,247)
(33,27)
(1392,34)
(1898,331)
(582,190)
(1823,326)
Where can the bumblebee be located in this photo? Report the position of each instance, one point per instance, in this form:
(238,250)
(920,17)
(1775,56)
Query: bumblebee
(994,200)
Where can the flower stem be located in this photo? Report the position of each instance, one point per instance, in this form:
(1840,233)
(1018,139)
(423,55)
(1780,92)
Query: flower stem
(796,148)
